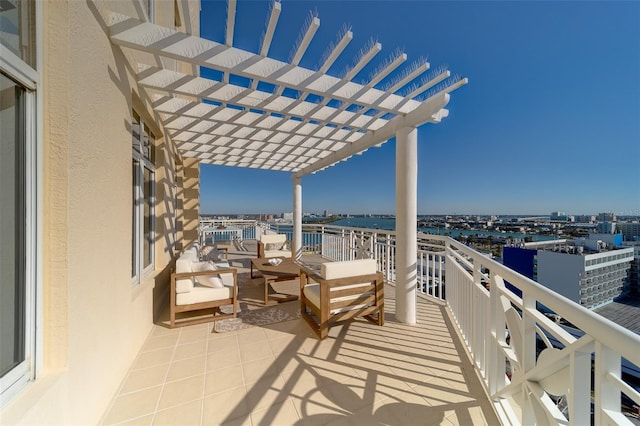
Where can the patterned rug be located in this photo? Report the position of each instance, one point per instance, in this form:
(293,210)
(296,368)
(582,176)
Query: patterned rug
(248,318)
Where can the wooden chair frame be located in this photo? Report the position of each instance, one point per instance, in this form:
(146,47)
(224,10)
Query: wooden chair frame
(213,304)
(323,312)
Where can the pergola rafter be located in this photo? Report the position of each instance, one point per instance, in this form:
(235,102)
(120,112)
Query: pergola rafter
(330,119)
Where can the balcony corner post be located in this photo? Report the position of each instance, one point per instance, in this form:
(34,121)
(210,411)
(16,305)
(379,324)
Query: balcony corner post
(406,223)
(297,217)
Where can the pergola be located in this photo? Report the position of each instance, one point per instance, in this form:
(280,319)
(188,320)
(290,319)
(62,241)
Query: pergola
(261,125)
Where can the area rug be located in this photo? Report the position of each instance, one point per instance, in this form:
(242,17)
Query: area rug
(248,318)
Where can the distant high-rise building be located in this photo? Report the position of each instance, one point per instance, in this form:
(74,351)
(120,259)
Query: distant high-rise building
(287,216)
(584,270)
(606,217)
(327,213)
(606,227)
(629,230)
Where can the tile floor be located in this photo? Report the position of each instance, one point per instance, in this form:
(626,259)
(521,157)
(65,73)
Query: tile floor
(281,374)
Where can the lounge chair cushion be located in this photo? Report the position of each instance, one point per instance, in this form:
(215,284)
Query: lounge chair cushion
(183,265)
(348,268)
(203,294)
(212,281)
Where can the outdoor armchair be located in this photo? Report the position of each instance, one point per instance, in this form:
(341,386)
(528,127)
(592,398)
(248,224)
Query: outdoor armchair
(341,291)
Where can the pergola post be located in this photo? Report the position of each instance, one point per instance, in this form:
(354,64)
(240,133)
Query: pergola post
(297,217)
(406,223)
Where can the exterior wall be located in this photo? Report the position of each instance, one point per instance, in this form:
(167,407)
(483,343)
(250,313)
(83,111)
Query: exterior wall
(94,321)
(191,200)
(560,272)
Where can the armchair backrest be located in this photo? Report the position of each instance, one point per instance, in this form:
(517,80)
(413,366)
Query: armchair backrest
(273,238)
(348,268)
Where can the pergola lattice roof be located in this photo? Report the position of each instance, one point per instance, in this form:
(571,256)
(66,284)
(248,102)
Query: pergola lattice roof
(331,119)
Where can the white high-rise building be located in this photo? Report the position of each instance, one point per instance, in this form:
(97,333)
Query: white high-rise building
(584,271)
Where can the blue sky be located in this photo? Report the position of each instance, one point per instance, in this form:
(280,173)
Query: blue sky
(550,119)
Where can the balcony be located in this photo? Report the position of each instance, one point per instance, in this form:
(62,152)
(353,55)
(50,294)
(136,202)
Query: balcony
(480,354)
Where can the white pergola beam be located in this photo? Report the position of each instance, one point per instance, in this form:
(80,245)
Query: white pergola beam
(276,8)
(231,22)
(132,33)
(415,118)
(335,53)
(227,93)
(306,40)
(364,60)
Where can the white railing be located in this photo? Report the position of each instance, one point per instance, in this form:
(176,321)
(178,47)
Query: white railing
(228,230)
(537,371)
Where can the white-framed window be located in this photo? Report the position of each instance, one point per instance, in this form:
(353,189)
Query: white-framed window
(143,199)
(19,192)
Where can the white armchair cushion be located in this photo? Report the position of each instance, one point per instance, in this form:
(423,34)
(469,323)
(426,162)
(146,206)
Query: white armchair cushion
(183,265)
(203,294)
(212,281)
(348,268)
(273,239)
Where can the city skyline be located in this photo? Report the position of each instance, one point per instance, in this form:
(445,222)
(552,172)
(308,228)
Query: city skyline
(548,121)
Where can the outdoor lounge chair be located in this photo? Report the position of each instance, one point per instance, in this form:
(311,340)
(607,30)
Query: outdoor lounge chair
(341,291)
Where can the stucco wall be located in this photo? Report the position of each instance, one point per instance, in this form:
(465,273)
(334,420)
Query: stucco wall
(94,320)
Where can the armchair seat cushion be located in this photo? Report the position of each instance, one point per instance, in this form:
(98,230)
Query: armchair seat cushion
(201,294)
(277,253)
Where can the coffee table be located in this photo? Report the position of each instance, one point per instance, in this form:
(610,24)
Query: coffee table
(285,271)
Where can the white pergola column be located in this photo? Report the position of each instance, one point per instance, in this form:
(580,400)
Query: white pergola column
(406,223)
(297,217)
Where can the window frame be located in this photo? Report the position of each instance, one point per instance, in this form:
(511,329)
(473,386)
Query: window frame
(140,163)
(15,68)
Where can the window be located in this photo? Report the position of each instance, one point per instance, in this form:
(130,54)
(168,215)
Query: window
(143,199)
(18,192)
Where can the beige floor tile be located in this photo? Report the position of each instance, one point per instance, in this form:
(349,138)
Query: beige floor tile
(159,342)
(133,405)
(181,391)
(190,350)
(186,368)
(282,374)
(225,406)
(222,344)
(439,392)
(191,336)
(250,336)
(223,379)
(163,331)
(259,369)
(153,358)
(223,359)
(266,392)
(283,413)
(255,351)
(184,415)
(145,378)
(139,421)
(404,408)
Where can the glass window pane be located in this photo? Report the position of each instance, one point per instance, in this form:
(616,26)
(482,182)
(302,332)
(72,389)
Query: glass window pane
(147,255)
(12,224)
(17,28)
(134,222)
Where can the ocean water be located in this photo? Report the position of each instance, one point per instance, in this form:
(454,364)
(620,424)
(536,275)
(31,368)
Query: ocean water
(389,224)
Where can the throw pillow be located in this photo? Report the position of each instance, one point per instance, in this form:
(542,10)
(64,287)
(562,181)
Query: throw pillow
(212,281)
(272,246)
